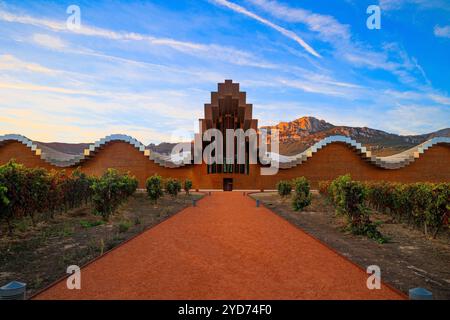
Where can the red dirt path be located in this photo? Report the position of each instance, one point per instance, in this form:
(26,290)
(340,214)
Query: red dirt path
(225,248)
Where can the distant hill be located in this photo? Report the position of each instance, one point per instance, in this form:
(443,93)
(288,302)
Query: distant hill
(163,147)
(298,135)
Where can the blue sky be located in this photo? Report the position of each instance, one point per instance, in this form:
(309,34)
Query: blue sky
(146,68)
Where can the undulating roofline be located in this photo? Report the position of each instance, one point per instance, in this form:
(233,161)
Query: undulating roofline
(73,160)
(396,161)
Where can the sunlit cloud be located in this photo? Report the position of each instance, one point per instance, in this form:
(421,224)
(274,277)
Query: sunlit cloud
(9,62)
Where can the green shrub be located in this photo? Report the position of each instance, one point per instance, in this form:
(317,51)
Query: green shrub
(187,185)
(302,196)
(349,198)
(284,188)
(110,190)
(154,188)
(173,186)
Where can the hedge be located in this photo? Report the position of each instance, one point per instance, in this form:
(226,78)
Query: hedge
(423,205)
(38,193)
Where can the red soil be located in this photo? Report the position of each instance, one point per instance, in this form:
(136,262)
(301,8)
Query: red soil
(225,248)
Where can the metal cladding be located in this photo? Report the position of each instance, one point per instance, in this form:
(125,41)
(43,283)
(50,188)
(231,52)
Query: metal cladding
(75,160)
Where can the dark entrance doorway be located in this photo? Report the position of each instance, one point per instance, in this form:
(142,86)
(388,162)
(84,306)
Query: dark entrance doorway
(227,184)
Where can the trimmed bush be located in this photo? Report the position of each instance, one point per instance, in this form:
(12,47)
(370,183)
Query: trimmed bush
(173,186)
(284,188)
(302,196)
(187,186)
(154,188)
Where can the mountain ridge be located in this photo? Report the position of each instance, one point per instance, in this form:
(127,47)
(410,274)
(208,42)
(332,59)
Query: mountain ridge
(299,134)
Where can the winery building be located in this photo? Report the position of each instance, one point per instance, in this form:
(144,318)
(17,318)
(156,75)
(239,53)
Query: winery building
(228,109)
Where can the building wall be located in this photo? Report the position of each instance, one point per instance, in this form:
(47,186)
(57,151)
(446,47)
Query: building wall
(328,163)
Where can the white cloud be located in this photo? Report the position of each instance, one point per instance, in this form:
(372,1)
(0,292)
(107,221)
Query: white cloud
(443,32)
(440,99)
(49,41)
(322,87)
(414,119)
(287,33)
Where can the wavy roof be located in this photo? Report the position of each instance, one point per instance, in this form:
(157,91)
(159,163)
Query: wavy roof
(396,161)
(63,160)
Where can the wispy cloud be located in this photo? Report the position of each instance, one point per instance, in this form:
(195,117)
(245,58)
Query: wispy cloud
(326,26)
(443,32)
(48,41)
(211,51)
(288,33)
(391,57)
(41,88)
(9,62)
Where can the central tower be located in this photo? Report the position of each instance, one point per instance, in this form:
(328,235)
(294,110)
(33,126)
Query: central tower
(228,110)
